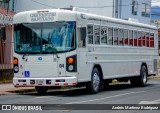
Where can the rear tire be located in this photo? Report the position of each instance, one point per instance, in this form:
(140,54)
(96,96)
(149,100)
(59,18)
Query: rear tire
(142,79)
(41,89)
(94,85)
(143,76)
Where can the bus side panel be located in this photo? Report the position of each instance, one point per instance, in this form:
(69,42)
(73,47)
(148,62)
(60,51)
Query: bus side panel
(84,69)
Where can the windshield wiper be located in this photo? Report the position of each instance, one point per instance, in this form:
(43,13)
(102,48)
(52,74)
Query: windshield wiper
(55,50)
(53,46)
(23,57)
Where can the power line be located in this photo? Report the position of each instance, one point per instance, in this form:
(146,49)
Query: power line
(86,6)
(43,4)
(95,6)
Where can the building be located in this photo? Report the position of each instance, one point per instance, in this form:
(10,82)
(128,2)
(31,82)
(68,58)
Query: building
(155,16)
(6,33)
(155,19)
(124,9)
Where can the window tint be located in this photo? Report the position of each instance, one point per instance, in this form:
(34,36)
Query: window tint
(107,35)
(143,39)
(110,36)
(121,36)
(96,34)
(115,36)
(125,37)
(90,34)
(130,38)
(103,35)
(135,35)
(147,39)
(151,39)
(139,38)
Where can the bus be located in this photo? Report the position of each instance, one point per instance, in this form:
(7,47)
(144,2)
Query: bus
(60,47)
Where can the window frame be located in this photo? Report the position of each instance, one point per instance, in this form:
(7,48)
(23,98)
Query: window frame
(134,7)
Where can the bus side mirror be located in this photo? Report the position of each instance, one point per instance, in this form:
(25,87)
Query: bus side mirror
(3,33)
(83,33)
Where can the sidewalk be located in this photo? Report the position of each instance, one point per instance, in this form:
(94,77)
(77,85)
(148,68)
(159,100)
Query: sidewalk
(9,89)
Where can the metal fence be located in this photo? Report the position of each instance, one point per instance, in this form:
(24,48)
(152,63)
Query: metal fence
(6,66)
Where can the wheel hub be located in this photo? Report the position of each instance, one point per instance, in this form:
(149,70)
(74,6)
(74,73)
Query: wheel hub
(96,81)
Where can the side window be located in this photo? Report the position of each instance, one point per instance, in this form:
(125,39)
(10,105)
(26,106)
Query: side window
(147,39)
(90,34)
(103,35)
(151,39)
(96,34)
(115,36)
(130,38)
(121,36)
(81,36)
(143,39)
(125,37)
(110,36)
(135,35)
(139,38)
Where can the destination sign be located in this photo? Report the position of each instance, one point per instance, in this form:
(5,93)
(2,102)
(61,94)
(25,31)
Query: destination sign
(36,17)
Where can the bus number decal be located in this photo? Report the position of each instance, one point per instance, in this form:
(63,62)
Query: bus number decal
(61,65)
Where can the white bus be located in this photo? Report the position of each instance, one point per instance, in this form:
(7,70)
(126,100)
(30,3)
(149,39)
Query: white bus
(58,47)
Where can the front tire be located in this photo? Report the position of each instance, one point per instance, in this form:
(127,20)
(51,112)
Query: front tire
(94,85)
(41,89)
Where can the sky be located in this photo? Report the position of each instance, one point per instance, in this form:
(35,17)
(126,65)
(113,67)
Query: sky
(155,2)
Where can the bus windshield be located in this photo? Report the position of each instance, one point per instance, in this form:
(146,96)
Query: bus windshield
(44,38)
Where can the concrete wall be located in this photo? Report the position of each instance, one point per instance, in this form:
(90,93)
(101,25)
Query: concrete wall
(101,7)
(127,11)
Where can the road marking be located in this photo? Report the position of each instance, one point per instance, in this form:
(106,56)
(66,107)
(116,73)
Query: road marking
(42,97)
(106,97)
(150,102)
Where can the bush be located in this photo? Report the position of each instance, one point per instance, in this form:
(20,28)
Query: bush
(6,75)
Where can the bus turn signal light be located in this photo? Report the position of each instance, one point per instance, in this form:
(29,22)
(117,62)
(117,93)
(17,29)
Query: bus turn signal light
(70,60)
(15,62)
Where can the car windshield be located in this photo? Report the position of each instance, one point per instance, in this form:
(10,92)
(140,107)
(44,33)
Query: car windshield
(44,37)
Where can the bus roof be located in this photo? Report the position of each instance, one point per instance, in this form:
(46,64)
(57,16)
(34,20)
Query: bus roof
(50,15)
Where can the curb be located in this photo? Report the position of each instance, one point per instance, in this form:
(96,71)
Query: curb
(22,90)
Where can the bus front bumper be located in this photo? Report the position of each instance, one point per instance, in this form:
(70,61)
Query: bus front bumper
(31,82)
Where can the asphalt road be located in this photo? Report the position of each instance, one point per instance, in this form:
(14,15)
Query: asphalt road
(115,94)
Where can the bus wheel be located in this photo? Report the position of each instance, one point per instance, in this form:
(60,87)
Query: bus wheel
(142,79)
(41,89)
(143,76)
(94,85)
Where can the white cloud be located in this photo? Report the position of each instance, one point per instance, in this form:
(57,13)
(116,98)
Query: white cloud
(155,2)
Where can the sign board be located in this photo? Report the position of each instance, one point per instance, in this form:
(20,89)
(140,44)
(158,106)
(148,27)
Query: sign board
(6,19)
(39,17)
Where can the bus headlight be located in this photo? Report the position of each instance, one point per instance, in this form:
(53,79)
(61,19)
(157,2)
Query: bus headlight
(70,67)
(16,69)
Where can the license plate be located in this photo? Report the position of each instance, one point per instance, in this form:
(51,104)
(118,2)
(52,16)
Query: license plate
(39,81)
